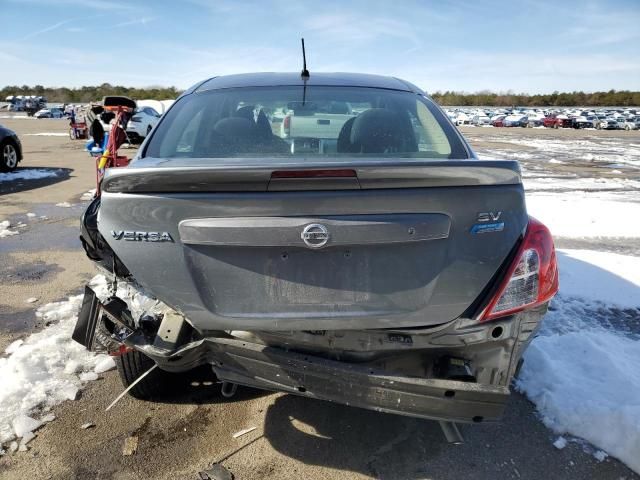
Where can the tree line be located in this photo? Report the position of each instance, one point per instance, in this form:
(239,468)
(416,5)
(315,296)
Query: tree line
(448,98)
(90,93)
(622,98)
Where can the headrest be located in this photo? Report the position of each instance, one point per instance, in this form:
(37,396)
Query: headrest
(235,127)
(380,130)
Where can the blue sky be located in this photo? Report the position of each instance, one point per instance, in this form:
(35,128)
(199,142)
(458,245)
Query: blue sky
(468,45)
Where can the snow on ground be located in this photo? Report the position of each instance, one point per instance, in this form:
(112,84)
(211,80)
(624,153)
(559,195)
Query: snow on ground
(603,151)
(585,215)
(88,195)
(28,174)
(46,134)
(44,370)
(583,370)
(4,229)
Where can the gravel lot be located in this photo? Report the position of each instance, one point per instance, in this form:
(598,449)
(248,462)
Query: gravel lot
(294,438)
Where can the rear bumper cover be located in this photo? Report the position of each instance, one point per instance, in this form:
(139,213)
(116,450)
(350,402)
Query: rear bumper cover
(377,383)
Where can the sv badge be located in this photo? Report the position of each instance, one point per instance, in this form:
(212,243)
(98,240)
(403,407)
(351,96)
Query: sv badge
(141,236)
(489,216)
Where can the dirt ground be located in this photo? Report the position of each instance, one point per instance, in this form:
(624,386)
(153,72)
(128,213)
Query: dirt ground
(182,434)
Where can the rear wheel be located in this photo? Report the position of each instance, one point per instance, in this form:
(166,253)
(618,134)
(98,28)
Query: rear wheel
(131,365)
(9,159)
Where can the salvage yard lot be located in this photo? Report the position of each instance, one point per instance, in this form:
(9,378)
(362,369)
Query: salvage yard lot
(584,184)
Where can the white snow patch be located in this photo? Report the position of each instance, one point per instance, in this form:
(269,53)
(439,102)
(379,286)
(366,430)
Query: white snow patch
(579,215)
(4,229)
(46,134)
(64,205)
(45,369)
(560,443)
(31,300)
(28,174)
(88,195)
(603,277)
(31,214)
(600,455)
(13,346)
(582,374)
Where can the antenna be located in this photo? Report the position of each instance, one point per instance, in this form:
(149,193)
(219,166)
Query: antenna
(305,73)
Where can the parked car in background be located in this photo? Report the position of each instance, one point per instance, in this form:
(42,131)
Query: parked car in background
(515,120)
(498,120)
(49,113)
(10,149)
(463,119)
(356,270)
(632,123)
(535,120)
(558,121)
(590,121)
(610,123)
(141,123)
(480,120)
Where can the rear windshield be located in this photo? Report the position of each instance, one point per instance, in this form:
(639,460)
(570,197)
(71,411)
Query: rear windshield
(291,121)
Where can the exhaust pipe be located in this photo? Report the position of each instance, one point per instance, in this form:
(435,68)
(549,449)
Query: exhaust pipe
(451,433)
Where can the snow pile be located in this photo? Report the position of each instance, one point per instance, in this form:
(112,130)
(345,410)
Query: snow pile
(88,195)
(579,215)
(583,371)
(28,174)
(44,370)
(4,229)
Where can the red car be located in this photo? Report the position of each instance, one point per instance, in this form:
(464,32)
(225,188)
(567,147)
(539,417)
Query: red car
(555,121)
(499,121)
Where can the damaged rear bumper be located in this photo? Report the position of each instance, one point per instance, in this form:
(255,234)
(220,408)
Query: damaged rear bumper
(404,378)
(275,369)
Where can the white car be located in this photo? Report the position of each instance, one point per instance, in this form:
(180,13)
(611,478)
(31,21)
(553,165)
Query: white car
(632,123)
(141,123)
(480,120)
(49,113)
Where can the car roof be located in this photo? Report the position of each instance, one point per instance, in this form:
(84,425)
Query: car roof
(273,79)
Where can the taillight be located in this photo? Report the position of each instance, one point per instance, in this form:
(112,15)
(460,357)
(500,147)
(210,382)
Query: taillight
(532,278)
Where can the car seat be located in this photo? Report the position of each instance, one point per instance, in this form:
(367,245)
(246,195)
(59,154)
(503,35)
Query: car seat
(378,130)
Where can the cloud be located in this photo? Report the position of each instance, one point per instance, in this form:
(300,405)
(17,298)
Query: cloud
(138,21)
(46,29)
(92,4)
(349,28)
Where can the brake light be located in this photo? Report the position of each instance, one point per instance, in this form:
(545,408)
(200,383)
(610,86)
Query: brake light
(532,278)
(313,173)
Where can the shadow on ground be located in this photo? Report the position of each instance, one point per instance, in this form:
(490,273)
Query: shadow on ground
(21,185)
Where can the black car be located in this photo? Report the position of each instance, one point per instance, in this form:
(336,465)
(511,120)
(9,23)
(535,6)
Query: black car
(11,149)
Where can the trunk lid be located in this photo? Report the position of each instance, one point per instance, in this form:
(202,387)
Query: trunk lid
(393,246)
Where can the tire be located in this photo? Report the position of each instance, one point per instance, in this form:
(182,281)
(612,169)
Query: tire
(72,133)
(8,156)
(133,364)
(627,128)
